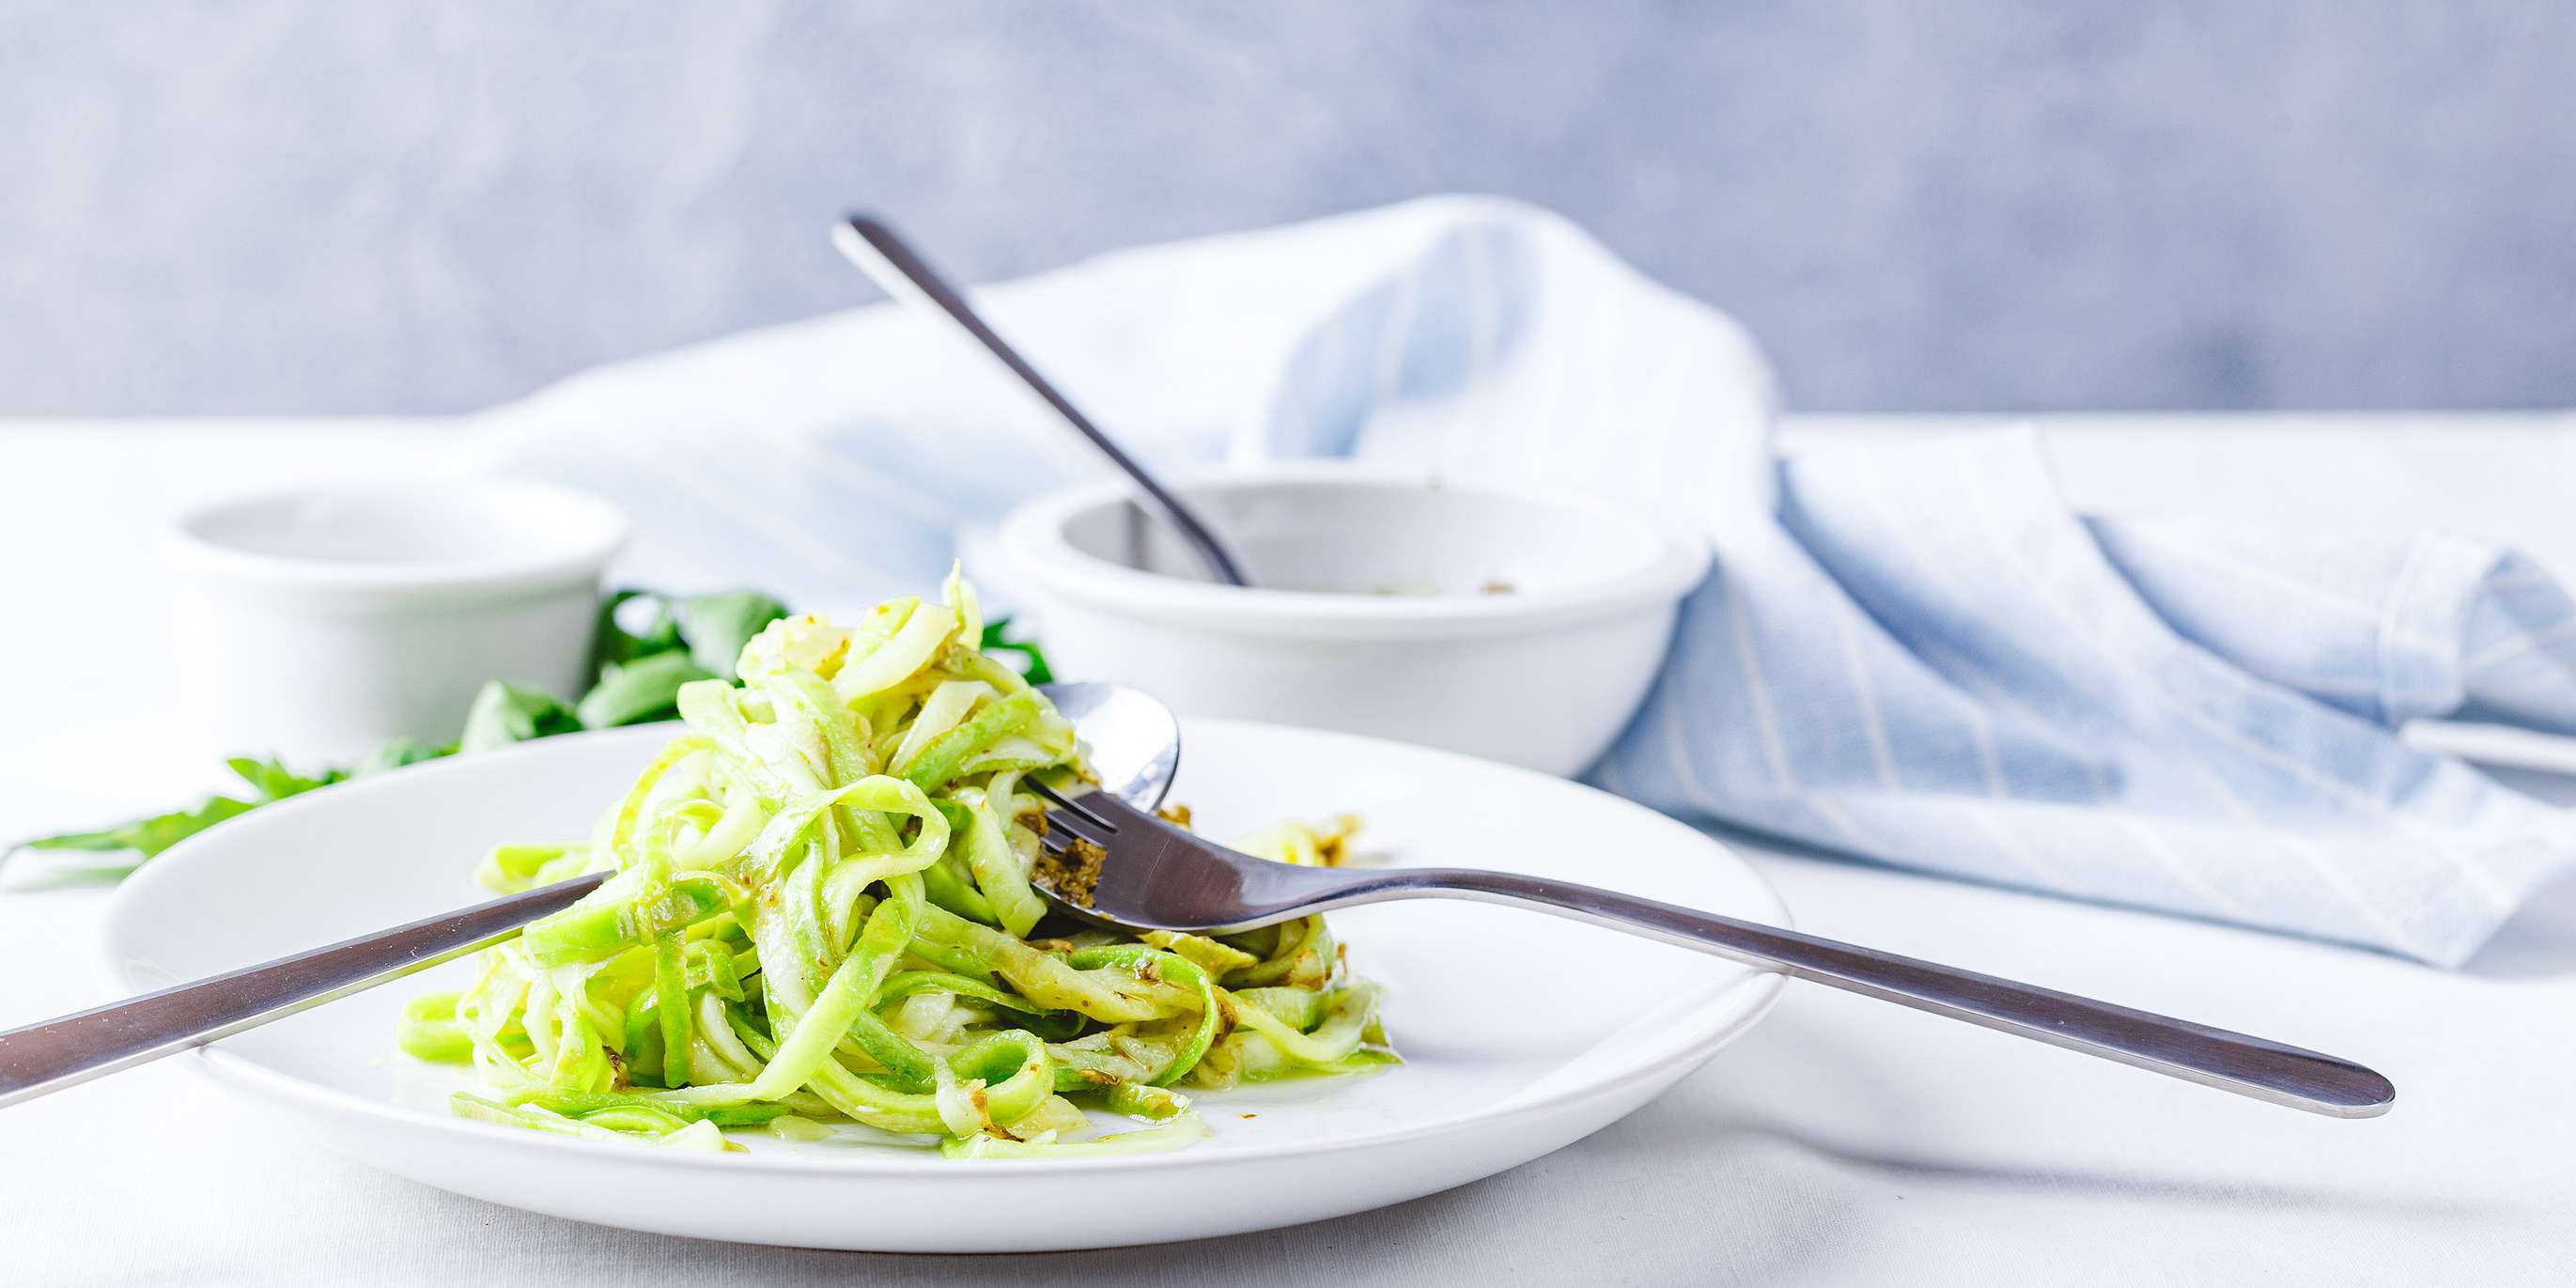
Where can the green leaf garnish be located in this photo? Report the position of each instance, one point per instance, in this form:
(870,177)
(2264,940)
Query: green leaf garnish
(395,754)
(643,690)
(148,836)
(613,643)
(504,713)
(996,641)
(274,781)
(717,626)
(680,639)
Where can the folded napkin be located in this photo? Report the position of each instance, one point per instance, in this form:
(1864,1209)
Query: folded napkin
(1910,651)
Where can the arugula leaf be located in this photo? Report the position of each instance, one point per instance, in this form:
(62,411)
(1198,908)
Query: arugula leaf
(612,643)
(645,689)
(995,641)
(274,781)
(397,753)
(717,626)
(504,713)
(688,638)
(148,836)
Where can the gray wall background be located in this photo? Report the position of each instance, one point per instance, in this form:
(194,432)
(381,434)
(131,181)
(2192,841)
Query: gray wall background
(318,206)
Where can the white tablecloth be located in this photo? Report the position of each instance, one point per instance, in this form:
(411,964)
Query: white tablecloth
(1843,1141)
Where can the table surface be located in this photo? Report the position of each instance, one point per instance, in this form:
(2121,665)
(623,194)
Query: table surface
(1843,1141)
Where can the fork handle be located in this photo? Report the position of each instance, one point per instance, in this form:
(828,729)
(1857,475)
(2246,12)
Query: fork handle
(59,1053)
(2248,1066)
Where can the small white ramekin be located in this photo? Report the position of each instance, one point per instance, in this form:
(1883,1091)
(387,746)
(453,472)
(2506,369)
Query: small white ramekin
(1519,625)
(315,624)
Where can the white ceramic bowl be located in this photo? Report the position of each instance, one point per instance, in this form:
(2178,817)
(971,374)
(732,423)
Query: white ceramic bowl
(315,624)
(1517,625)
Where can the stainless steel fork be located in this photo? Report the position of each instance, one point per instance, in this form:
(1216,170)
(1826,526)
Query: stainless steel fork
(1110,862)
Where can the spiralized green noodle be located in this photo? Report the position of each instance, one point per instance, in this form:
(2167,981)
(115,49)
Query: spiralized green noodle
(820,910)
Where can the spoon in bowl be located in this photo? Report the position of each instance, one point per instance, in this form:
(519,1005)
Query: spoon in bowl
(903,274)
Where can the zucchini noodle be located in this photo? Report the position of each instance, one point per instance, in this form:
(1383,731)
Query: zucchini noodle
(819,911)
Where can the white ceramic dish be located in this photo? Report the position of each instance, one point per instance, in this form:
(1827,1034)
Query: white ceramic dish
(319,623)
(1521,626)
(1513,1047)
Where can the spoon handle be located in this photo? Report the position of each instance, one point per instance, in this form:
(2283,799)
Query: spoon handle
(2249,1066)
(55,1054)
(906,276)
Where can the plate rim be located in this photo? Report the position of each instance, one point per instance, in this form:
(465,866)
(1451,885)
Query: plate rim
(1761,989)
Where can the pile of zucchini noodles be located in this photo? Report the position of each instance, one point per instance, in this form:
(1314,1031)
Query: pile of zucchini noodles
(821,912)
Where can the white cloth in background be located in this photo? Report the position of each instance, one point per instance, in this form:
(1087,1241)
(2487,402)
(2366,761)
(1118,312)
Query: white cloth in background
(1910,652)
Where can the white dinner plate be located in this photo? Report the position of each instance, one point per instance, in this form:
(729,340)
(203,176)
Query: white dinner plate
(1521,1033)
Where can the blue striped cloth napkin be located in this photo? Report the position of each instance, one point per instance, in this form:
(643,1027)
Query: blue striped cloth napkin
(1910,651)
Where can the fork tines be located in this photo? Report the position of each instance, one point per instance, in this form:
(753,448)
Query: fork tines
(1074,818)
